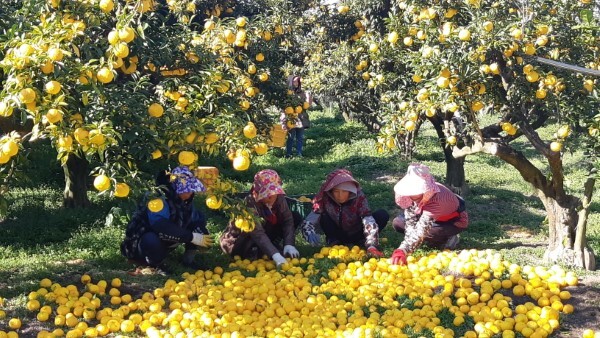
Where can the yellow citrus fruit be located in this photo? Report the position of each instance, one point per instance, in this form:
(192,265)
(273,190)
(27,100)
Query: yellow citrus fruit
(241,223)
(126,34)
(155,110)
(55,54)
(54,115)
(261,148)
(260,57)
(240,22)
(156,154)
(410,125)
(122,190)
(102,182)
(14,323)
(113,37)
(47,67)
(555,146)
(211,138)
(81,136)
(392,37)
(106,5)
(213,202)
(563,131)
(186,157)
(241,163)
(155,205)
(105,75)
(65,142)
(11,148)
(121,50)
(116,283)
(263,77)
(27,95)
(52,87)
(250,130)
(451,140)
(85,278)
(464,35)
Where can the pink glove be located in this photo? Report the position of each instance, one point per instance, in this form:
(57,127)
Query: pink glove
(373,252)
(399,257)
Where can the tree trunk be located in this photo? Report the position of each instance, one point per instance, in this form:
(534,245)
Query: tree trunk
(561,209)
(455,166)
(76,173)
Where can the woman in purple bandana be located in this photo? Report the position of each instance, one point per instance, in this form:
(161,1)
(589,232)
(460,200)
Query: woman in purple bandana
(432,213)
(275,235)
(151,235)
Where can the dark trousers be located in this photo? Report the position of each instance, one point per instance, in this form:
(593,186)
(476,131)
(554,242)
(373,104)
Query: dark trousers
(438,234)
(296,134)
(152,250)
(336,235)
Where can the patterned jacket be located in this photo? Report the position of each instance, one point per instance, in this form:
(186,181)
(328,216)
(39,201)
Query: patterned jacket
(443,209)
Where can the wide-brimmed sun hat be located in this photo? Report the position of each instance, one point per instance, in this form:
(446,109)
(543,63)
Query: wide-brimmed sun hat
(184,181)
(267,183)
(417,181)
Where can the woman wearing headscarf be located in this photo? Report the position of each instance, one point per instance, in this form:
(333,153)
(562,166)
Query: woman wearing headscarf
(341,210)
(432,213)
(173,220)
(276,233)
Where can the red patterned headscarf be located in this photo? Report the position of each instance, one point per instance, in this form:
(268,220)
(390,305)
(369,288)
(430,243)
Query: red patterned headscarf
(267,183)
(418,180)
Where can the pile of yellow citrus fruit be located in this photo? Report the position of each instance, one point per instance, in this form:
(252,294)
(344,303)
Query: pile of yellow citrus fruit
(339,292)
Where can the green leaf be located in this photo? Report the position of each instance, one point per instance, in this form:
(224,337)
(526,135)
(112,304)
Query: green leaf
(586,16)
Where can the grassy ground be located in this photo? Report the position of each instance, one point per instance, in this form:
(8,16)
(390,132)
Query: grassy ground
(39,239)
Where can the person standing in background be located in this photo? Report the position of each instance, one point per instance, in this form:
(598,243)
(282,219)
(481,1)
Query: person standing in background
(295,127)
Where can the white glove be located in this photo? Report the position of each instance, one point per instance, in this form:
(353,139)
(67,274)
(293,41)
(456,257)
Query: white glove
(290,250)
(278,258)
(202,240)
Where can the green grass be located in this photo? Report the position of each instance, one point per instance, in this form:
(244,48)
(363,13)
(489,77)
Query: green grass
(39,239)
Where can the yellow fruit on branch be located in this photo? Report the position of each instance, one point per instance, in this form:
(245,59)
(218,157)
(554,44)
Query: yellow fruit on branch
(261,148)
(186,157)
(6,109)
(52,87)
(155,110)
(122,190)
(102,182)
(213,202)
(555,146)
(54,115)
(564,131)
(55,54)
(156,154)
(211,138)
(105,75)
(106,5)
(126,34)
(250,130)
(10,148)
(410,125)
(260,57)
(27,95)
(241,163)
(451,140)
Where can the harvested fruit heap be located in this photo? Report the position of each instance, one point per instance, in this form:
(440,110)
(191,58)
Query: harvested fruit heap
(337,292)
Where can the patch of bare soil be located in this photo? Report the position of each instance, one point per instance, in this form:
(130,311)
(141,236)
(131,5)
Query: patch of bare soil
(585,297)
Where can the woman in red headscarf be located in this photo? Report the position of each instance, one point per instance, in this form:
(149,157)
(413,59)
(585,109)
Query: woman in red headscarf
(432,213)
(341,210)
(276,233)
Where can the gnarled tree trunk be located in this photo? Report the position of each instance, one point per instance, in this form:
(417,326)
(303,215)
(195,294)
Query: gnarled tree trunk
(455,166)
(567,214)
(76,173)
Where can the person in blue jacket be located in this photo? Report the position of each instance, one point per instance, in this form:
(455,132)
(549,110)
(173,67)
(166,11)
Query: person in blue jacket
(151,235)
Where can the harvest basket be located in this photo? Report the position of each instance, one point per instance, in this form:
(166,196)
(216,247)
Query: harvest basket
(300,203)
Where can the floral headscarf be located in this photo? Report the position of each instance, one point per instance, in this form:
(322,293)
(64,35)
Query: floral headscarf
(418,180)
(184,181)
(267,183)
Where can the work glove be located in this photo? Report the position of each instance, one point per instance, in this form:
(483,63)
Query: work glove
(291,251)
(279,259)
(202,240)
(399,257)
(374,252)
